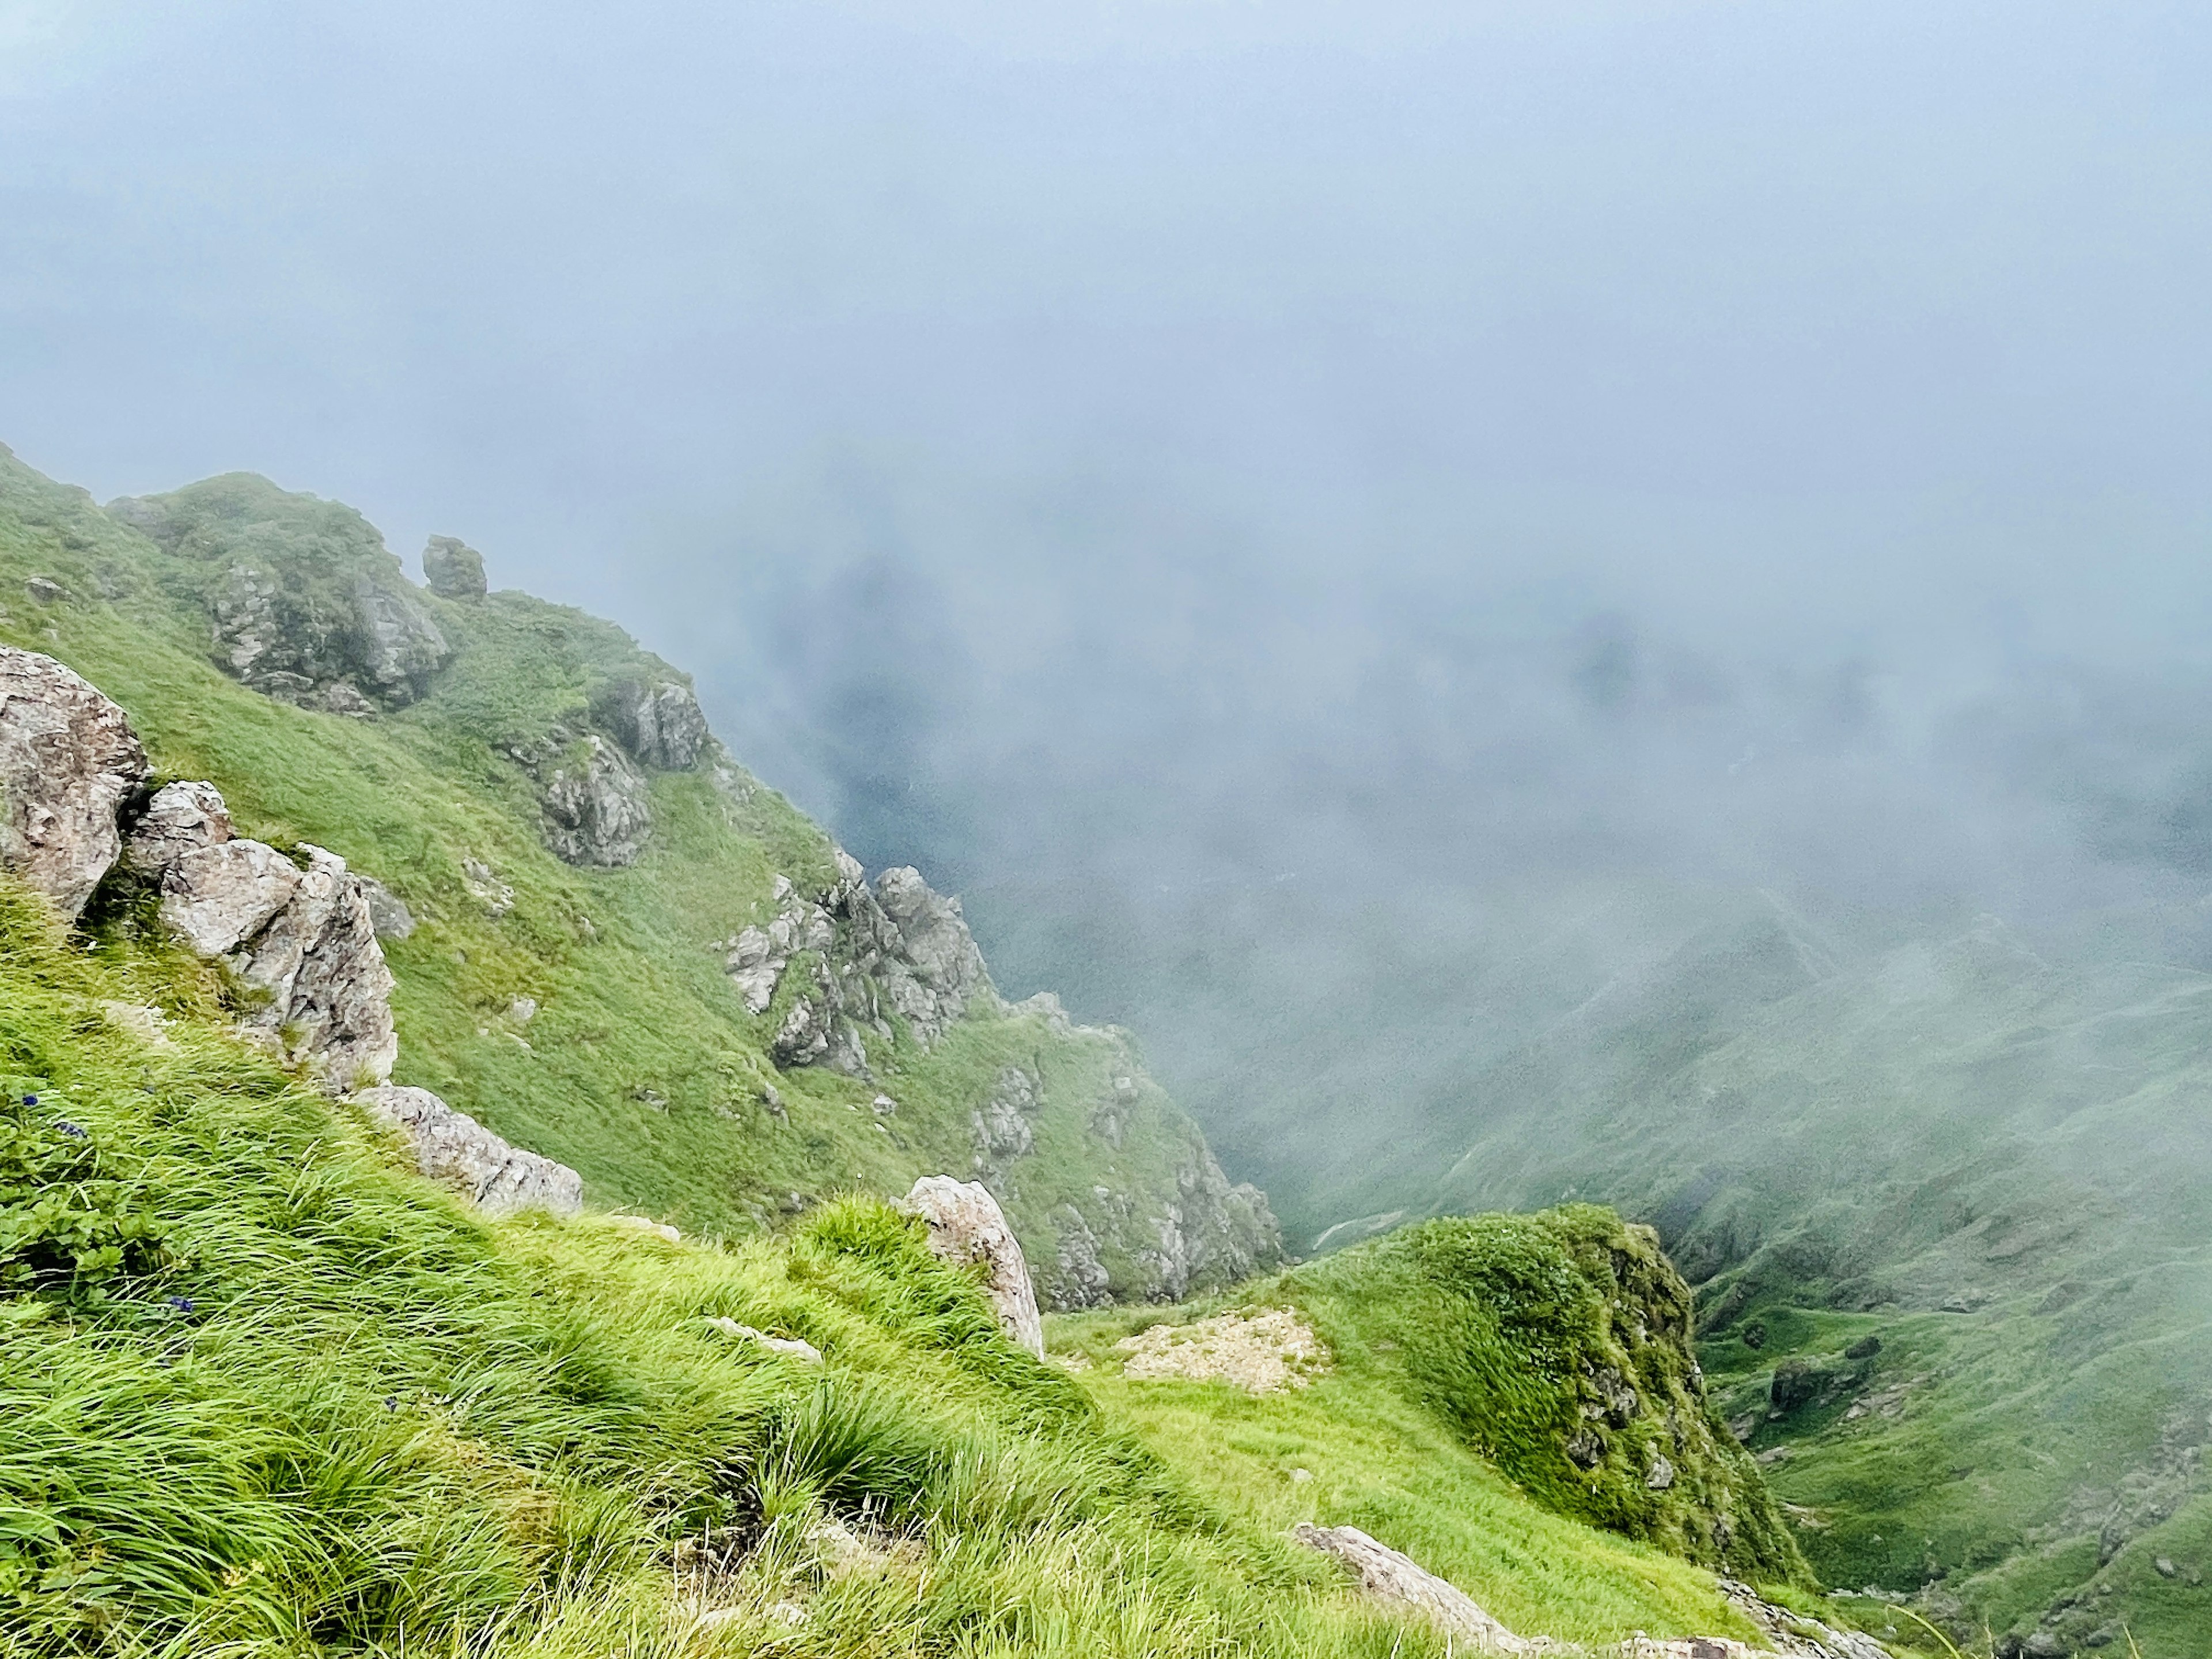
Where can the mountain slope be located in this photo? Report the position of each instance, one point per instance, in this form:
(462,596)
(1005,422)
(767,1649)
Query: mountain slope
(581,863)
(1944,1199)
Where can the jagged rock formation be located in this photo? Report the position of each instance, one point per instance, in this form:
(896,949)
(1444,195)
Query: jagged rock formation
(1400,1581)
(453,570)
(660,725)
(857,959)
(303,602)
(967,1225)
(297,935)
(455,1150)
(1001,1123)
(597,812)
(69,762)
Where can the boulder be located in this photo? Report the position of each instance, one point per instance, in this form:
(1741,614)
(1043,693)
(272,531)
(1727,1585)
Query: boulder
(397,647)
(180,818)
(453,569)
(215,897)
(660,724)
(597,812)
(386,910)
(453,1149)
(324,989)
(69,762)
(966,1225)
(1398,1581)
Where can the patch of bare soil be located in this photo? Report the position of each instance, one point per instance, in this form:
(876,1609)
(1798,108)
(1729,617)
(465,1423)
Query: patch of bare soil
(1259,1351)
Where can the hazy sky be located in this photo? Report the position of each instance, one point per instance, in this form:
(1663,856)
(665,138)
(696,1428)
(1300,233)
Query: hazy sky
(1369,457)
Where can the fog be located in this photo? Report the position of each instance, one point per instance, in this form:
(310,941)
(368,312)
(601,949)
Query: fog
(1286,507)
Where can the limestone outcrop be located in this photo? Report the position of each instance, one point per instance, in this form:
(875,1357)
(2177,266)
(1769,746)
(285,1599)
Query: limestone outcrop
(597,812)
(453,570)
(967,1225)
(660,724)
(68,763)
(455,1150)
(298,934)
(304,603)
(865,957)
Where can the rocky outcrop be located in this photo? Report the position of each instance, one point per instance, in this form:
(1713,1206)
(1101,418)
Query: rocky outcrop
(68,762)
(1210,1232)
(453,570)
(455,1150)
(296,930)
(1001,1123)
(303,602)
(967,1226)
(868,958)
(661,725)
(1398,1581)
(597,812)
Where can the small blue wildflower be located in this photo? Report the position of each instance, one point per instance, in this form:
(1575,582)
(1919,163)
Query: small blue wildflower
(73,1131)
(30,1100)
(181,1303)
(392,1402)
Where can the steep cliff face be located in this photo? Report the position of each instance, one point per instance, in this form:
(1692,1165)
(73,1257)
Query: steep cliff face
(611,943)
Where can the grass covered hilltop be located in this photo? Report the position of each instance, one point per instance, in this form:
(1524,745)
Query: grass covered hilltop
(266,1389)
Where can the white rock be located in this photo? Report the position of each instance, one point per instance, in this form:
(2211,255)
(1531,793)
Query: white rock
(646,1223)
(328,991)
(69,761)
(967,1225)
(1398,1579)
(453,1149)
(797,1347)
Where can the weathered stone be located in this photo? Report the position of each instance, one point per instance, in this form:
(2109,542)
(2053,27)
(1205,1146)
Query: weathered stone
(595,809)
(387,911)
(1398,1580)
(1001,1123)
(69,761)
(453,1149)
(453,569)
(44,590)
(323,985)
(398,647)
(967,1225)
(486,888)
(217,896)
(797,1347)
(180,818)
(660,723)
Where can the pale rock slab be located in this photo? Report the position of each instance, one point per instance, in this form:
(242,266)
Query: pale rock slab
(69,762)
(453,1149)
(597,812)
(217,896)
(967,1225)
(1390,1577)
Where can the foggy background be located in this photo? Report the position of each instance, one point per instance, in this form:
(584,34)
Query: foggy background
(1336,527)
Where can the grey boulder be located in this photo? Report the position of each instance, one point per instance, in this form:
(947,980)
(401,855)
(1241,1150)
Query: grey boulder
(453,569)
(180,818)
(217,897)
(69,762)
(455,1150)
(966,1225)
(659,723)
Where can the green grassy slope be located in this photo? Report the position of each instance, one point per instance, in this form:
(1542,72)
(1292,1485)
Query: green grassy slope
(641,1068)
(1993,1162)
(265,1392)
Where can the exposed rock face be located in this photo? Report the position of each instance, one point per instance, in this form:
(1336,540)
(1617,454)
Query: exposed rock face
(661,725)
(389,913)
(1001,1123)
(453,1148)
(966,1225)
(595,809)
(399,647)
(300,940)
(69,762)
(304,603)
(1399,1580)
(180,818)
(453,569)
(867,956)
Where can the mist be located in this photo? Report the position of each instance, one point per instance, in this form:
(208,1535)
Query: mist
(1290,509)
